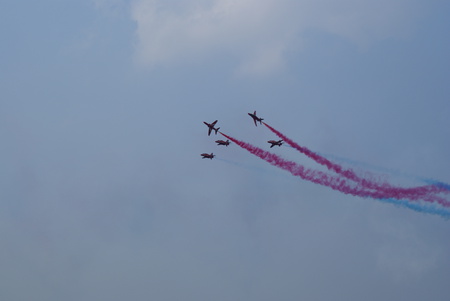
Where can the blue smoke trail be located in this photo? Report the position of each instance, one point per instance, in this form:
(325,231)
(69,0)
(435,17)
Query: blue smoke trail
(388,171)
(418,207)
(436,183)
(402,203)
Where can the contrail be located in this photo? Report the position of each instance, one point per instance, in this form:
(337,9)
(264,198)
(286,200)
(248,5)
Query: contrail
(415,193)
(336,182)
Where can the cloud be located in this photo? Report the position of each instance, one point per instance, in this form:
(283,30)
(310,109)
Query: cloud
(257,33)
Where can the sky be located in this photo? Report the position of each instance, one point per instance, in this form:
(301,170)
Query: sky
(104,195)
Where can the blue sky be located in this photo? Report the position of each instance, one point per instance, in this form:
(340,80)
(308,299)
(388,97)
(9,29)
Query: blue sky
(103,194)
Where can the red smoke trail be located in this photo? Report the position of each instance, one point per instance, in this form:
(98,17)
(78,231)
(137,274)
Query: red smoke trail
(390,191)
(334,182)
(315,176)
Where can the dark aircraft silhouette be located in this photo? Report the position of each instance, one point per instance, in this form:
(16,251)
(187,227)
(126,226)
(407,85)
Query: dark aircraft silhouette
(211,127)
(221,142)
(273,142)
(255,118)
(207,156)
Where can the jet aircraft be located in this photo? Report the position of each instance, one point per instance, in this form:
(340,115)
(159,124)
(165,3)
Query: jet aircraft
(221,142)
(211,127)
(273,142)
(255,118)
(207,156)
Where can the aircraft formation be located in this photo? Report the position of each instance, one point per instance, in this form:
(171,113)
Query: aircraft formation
(430,198)
(211,128)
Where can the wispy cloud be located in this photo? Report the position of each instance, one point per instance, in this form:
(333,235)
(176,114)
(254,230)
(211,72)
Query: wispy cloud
(257,32)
